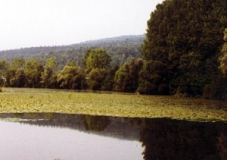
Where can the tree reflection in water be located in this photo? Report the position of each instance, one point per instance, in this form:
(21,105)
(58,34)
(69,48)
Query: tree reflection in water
(166,139)
(95,123)
(163,139)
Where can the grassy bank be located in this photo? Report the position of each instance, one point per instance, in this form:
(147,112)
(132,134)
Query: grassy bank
(126,105)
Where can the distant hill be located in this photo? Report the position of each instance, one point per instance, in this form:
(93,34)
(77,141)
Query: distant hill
(119,48)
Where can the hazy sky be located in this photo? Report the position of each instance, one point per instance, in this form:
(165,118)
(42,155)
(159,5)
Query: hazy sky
(26,23)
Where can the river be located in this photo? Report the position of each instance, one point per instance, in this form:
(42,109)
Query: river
(52,136)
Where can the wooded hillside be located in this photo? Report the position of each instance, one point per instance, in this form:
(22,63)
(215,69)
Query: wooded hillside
(121,49)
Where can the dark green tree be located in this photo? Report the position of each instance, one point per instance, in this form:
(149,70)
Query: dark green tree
(217,88)
(127,77)
(96,78)
(97,67)
(109,79)
(223,58)
(71,77)
(153,78)
(15,76)
(182,46)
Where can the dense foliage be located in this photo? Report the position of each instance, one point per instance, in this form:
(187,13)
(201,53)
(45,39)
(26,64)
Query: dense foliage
(87,65)
(127,76)
(182,48)
(223,58)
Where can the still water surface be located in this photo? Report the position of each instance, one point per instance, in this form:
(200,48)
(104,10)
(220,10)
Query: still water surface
(63,138)
(83,137)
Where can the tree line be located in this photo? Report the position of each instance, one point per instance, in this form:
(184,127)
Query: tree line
(121,49)
(96,73)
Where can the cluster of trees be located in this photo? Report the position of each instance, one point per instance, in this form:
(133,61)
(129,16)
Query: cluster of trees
(96,73)
(182,49)
(183,53)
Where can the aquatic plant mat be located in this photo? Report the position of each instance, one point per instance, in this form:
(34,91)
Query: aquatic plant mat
(111,104)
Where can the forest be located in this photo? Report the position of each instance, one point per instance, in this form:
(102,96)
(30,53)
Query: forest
(183,53)
(67,66)
(121,49)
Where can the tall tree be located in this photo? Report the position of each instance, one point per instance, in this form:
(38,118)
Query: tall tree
(33,70)
(127,77)
(108,83)
(71,77)
(47,76)
(18,63)
(4,67)
(97,66)
(182,46)
(15,76)
(97,59)
(223,58)
(96,78)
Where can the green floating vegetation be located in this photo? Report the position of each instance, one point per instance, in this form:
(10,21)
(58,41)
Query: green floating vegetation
(116,104)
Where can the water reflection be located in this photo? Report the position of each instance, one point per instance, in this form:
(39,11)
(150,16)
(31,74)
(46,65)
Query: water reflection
(93,123)
(163,139)
(169,139)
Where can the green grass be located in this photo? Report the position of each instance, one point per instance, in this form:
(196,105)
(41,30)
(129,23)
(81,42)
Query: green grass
(124,105)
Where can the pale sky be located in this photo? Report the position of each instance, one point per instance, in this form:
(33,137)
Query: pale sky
(31,23)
